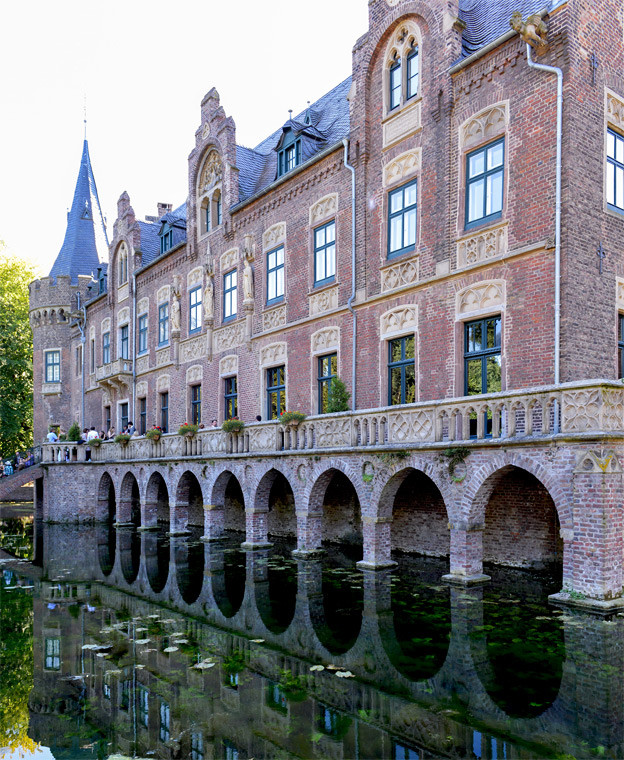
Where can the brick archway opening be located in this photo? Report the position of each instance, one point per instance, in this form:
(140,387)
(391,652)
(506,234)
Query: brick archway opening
(335,497)
(227,491)
(130,500)
(189,497)
(106,503)
(157,494)
(275,495)
(521,522)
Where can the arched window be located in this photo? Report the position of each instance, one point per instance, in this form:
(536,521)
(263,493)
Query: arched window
(209,196)
(402,66)
(122,258)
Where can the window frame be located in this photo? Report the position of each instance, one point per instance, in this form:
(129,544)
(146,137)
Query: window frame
(196,404)
(414,54)
(166,240)
(106,348)
(323,380)
(483,353)
(163,323)
(142,325)
(52,659)
(394,88)
(323,249)
(142,415)
(164,411)
(500,169)
(403,363)
(284,164)
(124,342)
(402,213)
(278,390)
(53,376)
(273,274)
(617,165)
(195,310)
(124,414)
(620,346)
(230,397)
(230,294)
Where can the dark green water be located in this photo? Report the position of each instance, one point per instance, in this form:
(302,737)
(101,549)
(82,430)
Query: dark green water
(145,646)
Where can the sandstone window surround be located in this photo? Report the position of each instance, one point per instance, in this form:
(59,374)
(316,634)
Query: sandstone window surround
(614,153)
(51,370)
(209,193)
(272,356)
(323,343)
(400,175)
(228,374)
(483,157)
(398,330)
(323,244)
(402,83)
(162,299)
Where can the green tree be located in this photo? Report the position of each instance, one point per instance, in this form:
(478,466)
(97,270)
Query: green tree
(16,345)
(338,398)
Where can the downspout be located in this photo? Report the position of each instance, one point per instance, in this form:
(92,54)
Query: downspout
(134,420)
(559,73)
(345,142)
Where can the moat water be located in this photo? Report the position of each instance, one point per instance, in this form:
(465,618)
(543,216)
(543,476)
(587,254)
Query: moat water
(134,644)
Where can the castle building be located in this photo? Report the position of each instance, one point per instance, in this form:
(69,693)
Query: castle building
(441,225)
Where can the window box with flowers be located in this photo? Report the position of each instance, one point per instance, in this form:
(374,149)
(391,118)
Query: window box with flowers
(95,442)
(154,433)
(292,419)
(233,425)
(188,430)
(122,438)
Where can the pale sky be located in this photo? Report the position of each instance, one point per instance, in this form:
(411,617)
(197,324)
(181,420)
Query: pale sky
(145,66)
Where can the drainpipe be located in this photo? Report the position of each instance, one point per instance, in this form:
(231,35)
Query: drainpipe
(345,142)
(559,73)
(134,420)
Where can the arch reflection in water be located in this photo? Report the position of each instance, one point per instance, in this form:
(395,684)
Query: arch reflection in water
(106,537)
(227,572)
(274,576)
(189,562)
(129,553)
(336,598)
(156,551)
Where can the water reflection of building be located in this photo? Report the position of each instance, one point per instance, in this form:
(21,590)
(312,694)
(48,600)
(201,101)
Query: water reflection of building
(260,695)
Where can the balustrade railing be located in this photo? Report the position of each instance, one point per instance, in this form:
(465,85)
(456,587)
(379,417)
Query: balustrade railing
(595,407)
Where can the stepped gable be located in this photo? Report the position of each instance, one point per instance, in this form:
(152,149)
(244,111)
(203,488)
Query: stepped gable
(486,20)
(326,122)
(86,243)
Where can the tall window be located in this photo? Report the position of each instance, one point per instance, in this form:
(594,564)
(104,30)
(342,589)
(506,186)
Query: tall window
(231,397)
(78,360)
(107,418)
(276,392)
(142,416)
(195,404)
(163,324)
(208,213)
(325,253)
(218,214)
(401,371)
(195,309)
(327,371)
(412,73)
(230,294)
(52,654)
(482,356)
(402,219)
(92,354)
(124,352)
(615,170)
(53,366)
(395,84)
(621,346)
(484,183)
(106,348)
(123,414)
(164,411)
(123,266)
(275,274)
(143,333)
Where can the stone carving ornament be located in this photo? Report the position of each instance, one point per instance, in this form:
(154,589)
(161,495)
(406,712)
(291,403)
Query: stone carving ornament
(324,340)
(163,294)
(482,296)
(615,110)
(402,167)
(324,209)
(325,300)
(194,277)
(211,172)
(195,374)
(485,125)
(229,337)
(106,325)
(228,365)
(175,304)
(208,303)
(162,383)
(482,246)
(248,289)
(273,354)
(229,259)
(141,389)
(402,319)
(124,316)
(399,275)
(191,350)
(274,236)
(274,318)
(619,285)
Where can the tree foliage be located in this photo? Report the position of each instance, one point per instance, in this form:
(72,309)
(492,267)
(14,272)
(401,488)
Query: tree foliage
(16,345)
(338,397)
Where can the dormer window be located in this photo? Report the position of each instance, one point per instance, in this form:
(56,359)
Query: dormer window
(166,239)
(289,153)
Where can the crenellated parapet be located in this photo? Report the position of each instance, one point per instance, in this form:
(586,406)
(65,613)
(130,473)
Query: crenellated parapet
(53,298)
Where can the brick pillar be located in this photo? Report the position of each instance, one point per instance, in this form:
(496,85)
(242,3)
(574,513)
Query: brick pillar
(124,513)
(256,526)
(309,534)
(466,554)
(149,515)
(214,518)
(178,519)
(376,534)
(594,559)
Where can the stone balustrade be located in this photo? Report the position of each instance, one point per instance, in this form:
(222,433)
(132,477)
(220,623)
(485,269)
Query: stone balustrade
(114,369)
(572,408)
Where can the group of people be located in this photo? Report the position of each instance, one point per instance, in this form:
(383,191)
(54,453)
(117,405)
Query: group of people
(19,461)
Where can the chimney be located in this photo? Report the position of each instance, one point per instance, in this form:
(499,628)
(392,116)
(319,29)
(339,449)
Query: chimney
(164,208)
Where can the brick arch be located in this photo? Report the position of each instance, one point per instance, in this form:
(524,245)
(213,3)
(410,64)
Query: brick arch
(282,522)
(129,500)
(320,481)
(481,485)
(104,506)
(189,486)
(218,498)
(383,494)
(155,492)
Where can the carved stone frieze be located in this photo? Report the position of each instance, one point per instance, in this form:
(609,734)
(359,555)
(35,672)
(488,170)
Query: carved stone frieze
(211,172)
(163,294)
(142,364)
(402,125)
(192,349)
(162,356)
(274,318)
(411,426)
(261,438)
(402,167)
(194,277)
(615,109)
(480,297)
(229,337)
(599,462)
(324,209)
(324,300)
(143,306)
(92,332)
(228,365)
(195,374)
(123,316)
(141,389)
(327,339)
(485,125)
(273,354)
(275,235)
(229,259)
(592,409)
(123,292)
(162,383)
(482,246)
(404,273)
(332,433)
(400,320)
(106,325)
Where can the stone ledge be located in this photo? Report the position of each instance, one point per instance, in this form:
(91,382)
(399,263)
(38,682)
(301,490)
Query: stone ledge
(466,580)
(599,606)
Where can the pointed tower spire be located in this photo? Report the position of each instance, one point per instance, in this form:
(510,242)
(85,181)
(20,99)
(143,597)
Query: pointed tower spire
(86,242)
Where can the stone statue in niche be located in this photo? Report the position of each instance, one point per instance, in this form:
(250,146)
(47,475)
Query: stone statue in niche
(175,304)
(209,300)
(248,293)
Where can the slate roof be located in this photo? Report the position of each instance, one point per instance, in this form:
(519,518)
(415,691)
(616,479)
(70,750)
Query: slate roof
(328,122)
(486,20)
(150,240)
(86,242)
